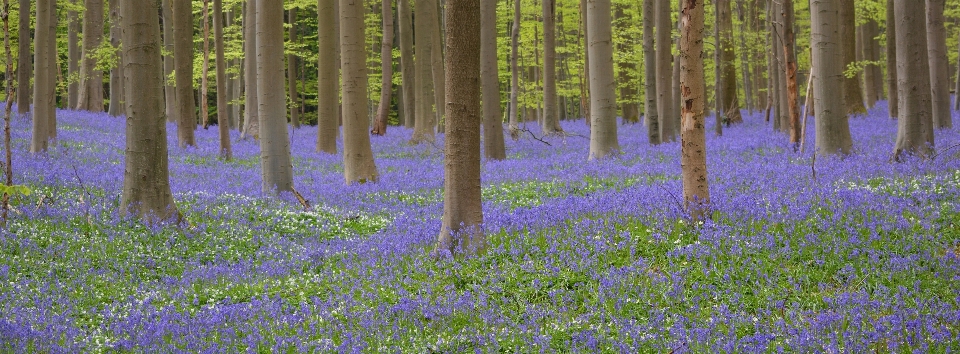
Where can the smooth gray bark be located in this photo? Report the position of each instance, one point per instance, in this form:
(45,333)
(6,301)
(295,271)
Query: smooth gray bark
(650,113)
(44,76)
(251,104)
(603,97)
(24,63)
(915,124)
(91,78)
(275,162)
(358,164)
(328,70)
(183,58)
(493,144)
(833,131)
(405,22)
(939,73)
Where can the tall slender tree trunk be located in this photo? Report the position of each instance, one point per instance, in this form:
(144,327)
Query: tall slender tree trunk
(436,66)
(358,164)
(956,100)
(728,62)
(626,68)
(892,91)
(328,80)
(73,56)
(424,32)
(44,79)
(852,95)
(664,72)
(693,157)
(915,124)
(493,144)
(91,78)
(551,121)
(116,73)
(386,70)
(793,101)
(515,72)
(146,181)
(275,162)
(833,131)
(169,88)
(939,74)
(223,110)
(650,112)
(461,230)
(292,71)
(744,60)
(870,53)
(405,20)
(205,68)
(251,105)
(235,81)
(783,103)
(183,59)
(584,96)
(23,57)
(603,97)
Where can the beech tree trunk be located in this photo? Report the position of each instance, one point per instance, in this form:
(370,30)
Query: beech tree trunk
(872,74)
(833,131)
(626,68)
(91,79)
(146,181)
(23,56)
(693,157)
(668,131)
(939,74)
(73,56)
(745,61)
(44,76)
(461,231)
(915,124)
(386,70)
(116,73)
(892,90)
(292,71)
(790,71)
(205,67)
(424,30)
(783,100)
(234,82)
(169,88)
(183,58)
(551,120)
(275,162)
(728,61)
(436,67)
(956,101)
(493,144)
(650,112)
(515,72)
(358,164)
(223,110)
(251,105)
(603,97)
(405,20)
(328,80)
(852,95)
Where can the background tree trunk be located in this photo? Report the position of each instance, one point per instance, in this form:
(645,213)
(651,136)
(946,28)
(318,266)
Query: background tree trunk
(44,76)
(745,60)
(24,63)
(91,78)
(424,31)
(515,72)
(386,70)
(493,144)
(664,72)
(223,110)
(956,102)
(852,95)
(358,164)
(872,74)
(183,58)
(405,20)
(650,113)
(73,56)
(205,68)
(626,68)
(436,67)
(603,97)
(146,181)
(551,121)
(939,74)
(892,91)
(116,73)
(915,124)
(275,162)
(693,160)
(728,62)
(292,71)
(783,100)
(169,88)
(251,105)
(234,82)
(833,131)
(328,81)
(461,229)
(790,71)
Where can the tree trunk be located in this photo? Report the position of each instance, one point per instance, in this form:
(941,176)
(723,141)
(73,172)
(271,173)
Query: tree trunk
(436,67)
(169,88)
(728,62)
(745,61)
(23,57)
(183,59)
(717,72)
(251,104)
(664,72)
(223,110)
(493,144)
(790,71)
(461,231)
(292,71)
(852,95)
(405,20)
(236,81)
(939,74)
(915,124)
(783,110)
(551,122)
(146,181)
(91,78)
(44,76)
(328,78)
(626,68)
(693,160)
(515,73)
(386,70)
(956,101)
(73,57)
(833,131)
(275,162)
(116,77)
(584,96)
(205,68)
(424,30)
(650,113)
(869,53)
(892,91)
(358,164)
(603,97)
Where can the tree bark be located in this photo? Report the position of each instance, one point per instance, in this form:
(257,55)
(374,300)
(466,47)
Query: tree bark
(852,95)
(405,20)
(693,160)
(275,162)
(650,74)
(833,131)
(358,164)
(626,68)
(183,59)
(461,231)
(116,73)
(146,182)
(91,78)
(603,97)
(386,70)
(915,124)
(551,122)
(870,52)
(493,144)
(745,61)
(223,110)
(436,67)
(23,57)
(233,82)
(956,102)
(205,68)
(73,56)
(728,62)
(292,71)
(44,76)
(584,96)
(515,73)
(251,105)
(169,88)
(424,30)
(790,71)
(939,74)
(664,72)
(892,91)
(328,80)
(783,100)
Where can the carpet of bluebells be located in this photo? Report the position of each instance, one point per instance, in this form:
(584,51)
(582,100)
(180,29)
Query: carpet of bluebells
(800,255)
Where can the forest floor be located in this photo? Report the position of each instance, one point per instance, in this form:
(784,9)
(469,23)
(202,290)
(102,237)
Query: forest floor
(828,255)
